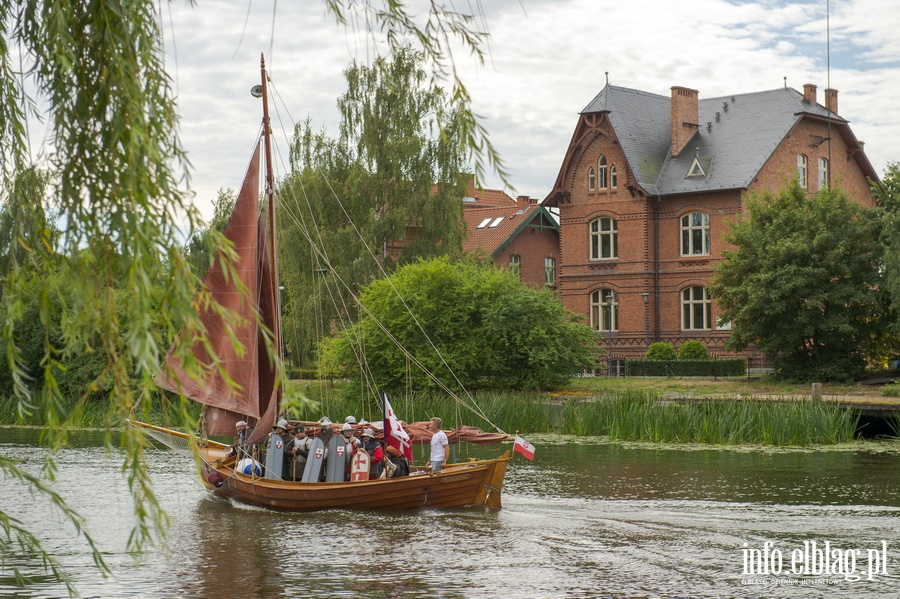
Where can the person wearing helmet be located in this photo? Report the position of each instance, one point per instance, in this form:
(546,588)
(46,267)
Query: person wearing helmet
(372,446)
(276,466)
(351,441)
(326,429)
(351,445)
(351,420)
(298,451)
(239,448)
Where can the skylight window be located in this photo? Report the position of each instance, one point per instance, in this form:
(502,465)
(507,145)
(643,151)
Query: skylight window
(484,223)
(496,222)
(696,169)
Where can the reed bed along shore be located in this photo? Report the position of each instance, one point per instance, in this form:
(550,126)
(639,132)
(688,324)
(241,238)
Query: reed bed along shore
(624,416)
(631,416)
(94,413)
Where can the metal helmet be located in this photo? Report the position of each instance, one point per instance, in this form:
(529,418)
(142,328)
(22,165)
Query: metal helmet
(368,433)
(350,420)
(346,427)
(282,423)
(324,421)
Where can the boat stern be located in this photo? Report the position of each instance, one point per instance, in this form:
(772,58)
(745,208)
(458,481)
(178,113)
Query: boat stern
(489,495)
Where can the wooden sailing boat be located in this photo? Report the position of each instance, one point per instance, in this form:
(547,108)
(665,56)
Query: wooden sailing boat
(257,399)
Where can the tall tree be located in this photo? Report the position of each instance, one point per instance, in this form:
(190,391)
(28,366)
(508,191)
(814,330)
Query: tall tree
(803,283)
(118,174)
(887,192)
(386,191)
(201,247)
(461,326)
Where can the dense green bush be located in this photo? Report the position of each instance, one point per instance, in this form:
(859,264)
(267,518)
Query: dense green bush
(661,351)
(460,325)
(691,350)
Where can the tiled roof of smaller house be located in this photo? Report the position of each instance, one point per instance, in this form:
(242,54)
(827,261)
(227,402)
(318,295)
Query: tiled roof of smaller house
(735,137)
(491,229)
(489,198)
(485,198)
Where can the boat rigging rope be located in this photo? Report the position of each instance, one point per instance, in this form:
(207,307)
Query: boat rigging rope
(318,250)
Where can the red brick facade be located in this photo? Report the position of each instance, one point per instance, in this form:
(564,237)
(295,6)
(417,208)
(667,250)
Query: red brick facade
(649,273)
(524,234)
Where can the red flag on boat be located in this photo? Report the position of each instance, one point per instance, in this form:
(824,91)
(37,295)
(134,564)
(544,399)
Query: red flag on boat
(394,435)
(524,447)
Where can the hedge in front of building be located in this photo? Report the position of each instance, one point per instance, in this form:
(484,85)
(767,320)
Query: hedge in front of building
(679,367)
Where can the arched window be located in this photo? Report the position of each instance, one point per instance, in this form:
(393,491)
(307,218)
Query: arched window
(613,177)
(801,169)
(515,264)
(603,173)
(550,271)
(696,309)
(592,179)
(604,239)
(605,310)
(695,234)
(823,173)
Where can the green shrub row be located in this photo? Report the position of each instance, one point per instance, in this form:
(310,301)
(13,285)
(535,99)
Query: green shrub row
(680,367)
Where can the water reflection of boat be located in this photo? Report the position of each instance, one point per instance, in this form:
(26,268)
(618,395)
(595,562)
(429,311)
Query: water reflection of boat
(257,396)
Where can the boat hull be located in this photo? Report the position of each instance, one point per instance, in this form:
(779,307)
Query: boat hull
(458,485)
(467,484)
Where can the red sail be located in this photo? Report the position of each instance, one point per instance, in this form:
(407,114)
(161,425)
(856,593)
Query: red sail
(249,366)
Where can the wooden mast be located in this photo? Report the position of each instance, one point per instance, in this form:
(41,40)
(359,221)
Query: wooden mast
(270,198)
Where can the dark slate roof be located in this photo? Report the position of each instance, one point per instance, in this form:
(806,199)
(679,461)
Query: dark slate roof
(731,152)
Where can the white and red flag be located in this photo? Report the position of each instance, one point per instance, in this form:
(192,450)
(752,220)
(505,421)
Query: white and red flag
(394,435)
(524,447)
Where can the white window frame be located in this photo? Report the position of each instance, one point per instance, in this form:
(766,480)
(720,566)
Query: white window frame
(550,271)
(605,310)
(613,177)
(823,173)
(695,234)
(515,264)
(598,235)
(592,179)
(802,170)
(602,172)
(696,305)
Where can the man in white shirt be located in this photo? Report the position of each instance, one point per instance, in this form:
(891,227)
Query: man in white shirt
(440,446)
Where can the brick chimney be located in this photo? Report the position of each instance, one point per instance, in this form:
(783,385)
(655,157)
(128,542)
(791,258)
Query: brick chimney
(470,185)
(525,201)
(685,117)
(809,92)
(831,100)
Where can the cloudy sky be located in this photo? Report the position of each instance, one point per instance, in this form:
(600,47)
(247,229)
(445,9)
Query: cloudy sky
(548,59)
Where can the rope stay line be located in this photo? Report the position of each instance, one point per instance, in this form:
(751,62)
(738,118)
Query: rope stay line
(311,232)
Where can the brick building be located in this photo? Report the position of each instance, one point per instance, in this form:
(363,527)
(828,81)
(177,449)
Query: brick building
(518,234)
(649,184)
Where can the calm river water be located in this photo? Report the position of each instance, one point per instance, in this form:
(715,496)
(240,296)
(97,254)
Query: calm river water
(583,520)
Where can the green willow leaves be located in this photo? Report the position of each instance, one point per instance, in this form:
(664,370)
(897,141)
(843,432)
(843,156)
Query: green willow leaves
(92,233)
(386,191)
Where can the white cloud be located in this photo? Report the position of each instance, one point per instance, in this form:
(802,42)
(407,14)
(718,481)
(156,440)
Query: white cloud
(548,60)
